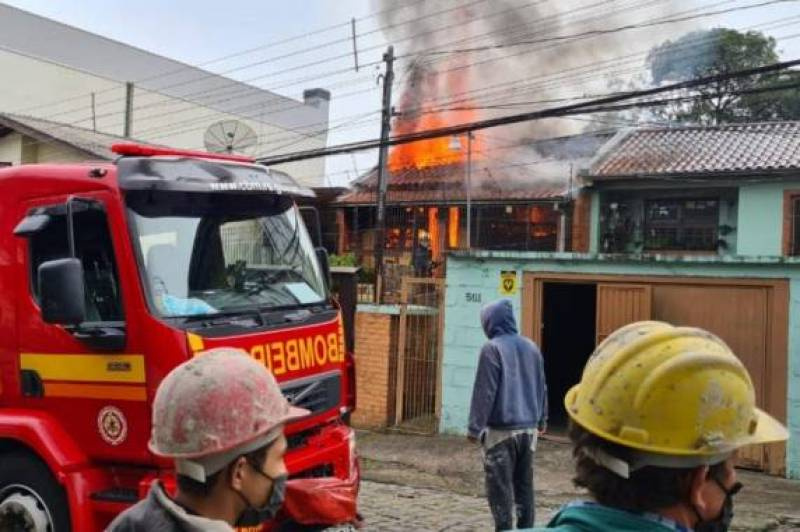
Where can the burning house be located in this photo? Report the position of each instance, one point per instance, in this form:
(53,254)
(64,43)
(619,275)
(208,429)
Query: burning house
(471,191)
(503,188)
(524,206)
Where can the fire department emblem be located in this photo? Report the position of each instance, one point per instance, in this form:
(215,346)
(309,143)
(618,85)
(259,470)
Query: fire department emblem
(112,425)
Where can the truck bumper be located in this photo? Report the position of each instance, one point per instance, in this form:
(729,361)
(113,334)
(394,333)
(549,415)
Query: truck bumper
(325,500)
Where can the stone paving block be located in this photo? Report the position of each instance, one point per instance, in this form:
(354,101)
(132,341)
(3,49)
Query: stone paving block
(395,507)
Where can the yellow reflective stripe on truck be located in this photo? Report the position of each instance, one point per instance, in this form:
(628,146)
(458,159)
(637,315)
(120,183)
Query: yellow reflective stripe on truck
(85,368)
(195,342)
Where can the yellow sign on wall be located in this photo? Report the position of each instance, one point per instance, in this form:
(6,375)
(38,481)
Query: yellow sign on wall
(508,282)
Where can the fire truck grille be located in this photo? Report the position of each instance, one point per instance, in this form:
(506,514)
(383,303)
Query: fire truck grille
(317,394)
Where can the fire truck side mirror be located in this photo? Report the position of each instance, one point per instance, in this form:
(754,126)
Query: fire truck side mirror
(325,264)
(61,291)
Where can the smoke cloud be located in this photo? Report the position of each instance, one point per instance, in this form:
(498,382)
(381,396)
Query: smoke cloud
(508,78)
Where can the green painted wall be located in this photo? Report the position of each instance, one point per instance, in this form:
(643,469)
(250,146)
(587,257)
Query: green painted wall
(474,279)
(760,225)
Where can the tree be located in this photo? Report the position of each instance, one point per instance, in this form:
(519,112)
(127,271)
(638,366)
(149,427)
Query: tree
(722,51)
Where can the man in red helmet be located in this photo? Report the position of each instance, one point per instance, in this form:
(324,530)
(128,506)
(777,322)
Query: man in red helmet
(220,416)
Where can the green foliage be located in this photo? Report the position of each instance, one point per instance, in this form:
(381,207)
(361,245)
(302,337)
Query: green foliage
(721,51)
(348,259)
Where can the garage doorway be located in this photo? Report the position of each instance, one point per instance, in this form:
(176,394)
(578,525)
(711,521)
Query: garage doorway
(749,314)
(569,324)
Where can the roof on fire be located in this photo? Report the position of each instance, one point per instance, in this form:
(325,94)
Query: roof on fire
(494,178)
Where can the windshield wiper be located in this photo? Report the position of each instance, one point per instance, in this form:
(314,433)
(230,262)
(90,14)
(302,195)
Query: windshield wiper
(242,318)
(264,282)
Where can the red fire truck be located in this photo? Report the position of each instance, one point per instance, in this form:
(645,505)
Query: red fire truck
(111,274)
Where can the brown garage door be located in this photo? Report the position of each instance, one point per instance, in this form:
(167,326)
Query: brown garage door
(738,315)
(620,304)
(751,315)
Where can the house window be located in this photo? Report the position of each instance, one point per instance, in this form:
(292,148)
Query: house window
(794,243)
(515,227)
(4,163)
(682,224)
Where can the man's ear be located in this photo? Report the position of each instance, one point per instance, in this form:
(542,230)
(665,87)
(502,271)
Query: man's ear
(697,493)
(237,473)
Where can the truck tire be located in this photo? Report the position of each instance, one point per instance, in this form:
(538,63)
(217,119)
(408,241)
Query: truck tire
(31,500)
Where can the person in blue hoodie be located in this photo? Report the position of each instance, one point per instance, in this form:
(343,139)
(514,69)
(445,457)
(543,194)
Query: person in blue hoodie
(507,413)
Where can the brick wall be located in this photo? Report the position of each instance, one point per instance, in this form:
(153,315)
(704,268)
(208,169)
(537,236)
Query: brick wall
(581,222)
(376,345)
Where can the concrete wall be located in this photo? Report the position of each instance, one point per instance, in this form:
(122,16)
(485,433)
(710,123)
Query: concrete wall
(473,280)
(52,153)
(793,392)
(760,225)
(757,217)
(11,148)
(18,149)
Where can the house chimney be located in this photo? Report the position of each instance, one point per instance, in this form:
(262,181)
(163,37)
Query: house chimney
(316,97)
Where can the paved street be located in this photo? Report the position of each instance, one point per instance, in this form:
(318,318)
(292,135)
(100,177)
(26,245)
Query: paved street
(395,507)
(436,483)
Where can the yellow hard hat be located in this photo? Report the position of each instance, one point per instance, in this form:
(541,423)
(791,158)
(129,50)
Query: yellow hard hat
(674,395)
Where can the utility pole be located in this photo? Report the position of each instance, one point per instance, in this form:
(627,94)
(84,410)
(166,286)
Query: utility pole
(128,109)
(355,45)
(469,189)
(383,155)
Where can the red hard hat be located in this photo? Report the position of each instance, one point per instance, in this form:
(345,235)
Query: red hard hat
(216,403)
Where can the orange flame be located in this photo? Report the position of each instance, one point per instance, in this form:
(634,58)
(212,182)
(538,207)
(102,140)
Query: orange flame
(433,232)
(440,150)
(431,152)
(453,228)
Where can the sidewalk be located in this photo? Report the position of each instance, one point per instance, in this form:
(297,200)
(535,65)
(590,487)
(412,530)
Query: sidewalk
(451,464)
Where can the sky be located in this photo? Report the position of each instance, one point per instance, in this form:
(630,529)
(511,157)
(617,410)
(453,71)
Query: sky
(317,34)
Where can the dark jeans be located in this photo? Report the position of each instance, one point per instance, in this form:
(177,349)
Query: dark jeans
(509,482)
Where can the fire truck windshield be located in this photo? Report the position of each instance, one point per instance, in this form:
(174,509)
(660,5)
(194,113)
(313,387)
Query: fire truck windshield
(204,254)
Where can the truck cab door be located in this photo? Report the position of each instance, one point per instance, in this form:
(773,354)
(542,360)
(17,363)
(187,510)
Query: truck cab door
(82,374)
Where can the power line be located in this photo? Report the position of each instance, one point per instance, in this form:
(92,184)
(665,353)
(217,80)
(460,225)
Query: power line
(587,69)
(608,108)
(232,55)
(302,80)
(322,131)
(340,126)
(593,5)
(593,33)
(299,133)
(577,108)
(209,75)
(293,82)
(516,82)
(424,110)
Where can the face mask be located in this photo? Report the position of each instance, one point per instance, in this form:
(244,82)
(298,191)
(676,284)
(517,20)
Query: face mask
(723,522)
(253,516)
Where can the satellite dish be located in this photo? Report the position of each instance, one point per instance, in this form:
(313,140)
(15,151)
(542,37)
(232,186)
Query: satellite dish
(230,136)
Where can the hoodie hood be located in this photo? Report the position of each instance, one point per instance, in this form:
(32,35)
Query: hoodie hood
(497,319)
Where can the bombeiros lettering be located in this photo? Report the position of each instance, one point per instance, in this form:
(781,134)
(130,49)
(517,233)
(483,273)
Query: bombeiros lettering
(296,354)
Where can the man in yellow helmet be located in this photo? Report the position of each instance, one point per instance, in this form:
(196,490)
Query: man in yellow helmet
(656,418)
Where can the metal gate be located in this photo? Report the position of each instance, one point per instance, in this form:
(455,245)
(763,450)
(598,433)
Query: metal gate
(418,364)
